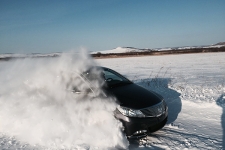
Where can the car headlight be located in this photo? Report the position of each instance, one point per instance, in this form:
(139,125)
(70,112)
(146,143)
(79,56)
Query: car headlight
(130,112)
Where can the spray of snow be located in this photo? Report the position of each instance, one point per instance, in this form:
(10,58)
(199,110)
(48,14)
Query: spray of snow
(37,106)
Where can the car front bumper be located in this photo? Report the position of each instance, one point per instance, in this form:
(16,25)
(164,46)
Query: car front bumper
(138,127)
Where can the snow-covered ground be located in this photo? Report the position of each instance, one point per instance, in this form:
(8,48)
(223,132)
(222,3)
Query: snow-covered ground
(193,85)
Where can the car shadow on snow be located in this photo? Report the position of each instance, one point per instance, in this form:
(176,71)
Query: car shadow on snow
(221,102)
(161,86)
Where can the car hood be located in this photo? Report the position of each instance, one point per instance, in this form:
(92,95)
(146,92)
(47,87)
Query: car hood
(134,96)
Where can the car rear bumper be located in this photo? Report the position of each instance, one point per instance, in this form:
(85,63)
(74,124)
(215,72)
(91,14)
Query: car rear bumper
(139,127)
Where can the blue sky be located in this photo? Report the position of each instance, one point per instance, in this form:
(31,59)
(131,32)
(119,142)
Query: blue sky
(42,26)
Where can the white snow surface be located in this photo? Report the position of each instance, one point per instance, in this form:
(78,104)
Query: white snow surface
(193,85)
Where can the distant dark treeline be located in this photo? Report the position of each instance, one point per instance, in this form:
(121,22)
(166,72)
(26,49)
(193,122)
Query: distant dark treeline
(12,58)
(165,52)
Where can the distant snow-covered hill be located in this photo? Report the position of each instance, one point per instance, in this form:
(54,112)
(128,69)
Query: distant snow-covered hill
(122,50)
(117,50)
(132,49)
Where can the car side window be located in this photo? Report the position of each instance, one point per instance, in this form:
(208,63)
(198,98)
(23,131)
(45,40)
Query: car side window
(110,76)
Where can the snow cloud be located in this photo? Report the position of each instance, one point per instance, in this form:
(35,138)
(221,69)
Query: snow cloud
(38,107)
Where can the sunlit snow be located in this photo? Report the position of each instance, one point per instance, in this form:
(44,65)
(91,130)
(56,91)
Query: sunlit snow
(193,85)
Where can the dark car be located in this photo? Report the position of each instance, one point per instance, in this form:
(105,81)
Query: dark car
(141,111)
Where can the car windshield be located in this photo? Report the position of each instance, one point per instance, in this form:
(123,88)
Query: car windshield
(110,77)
